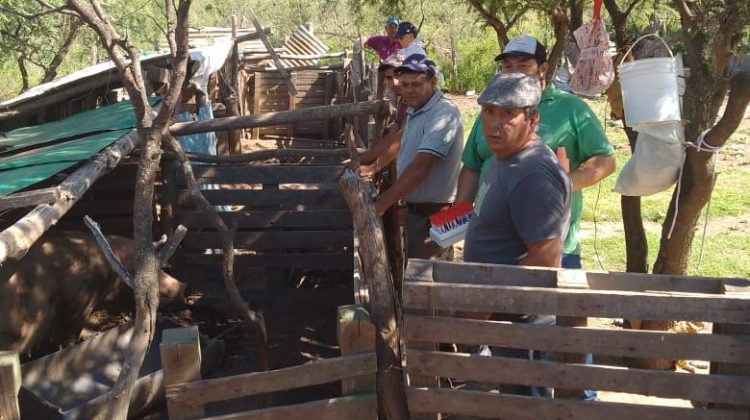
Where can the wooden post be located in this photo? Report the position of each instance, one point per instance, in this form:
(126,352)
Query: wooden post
(257,83)
(181,360)
(383,301)
(735,330)
(276,61)
(570,279)
(10,384)
(356,335)
(235,136)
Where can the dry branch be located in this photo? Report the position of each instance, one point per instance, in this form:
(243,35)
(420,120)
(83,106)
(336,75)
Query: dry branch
(165,251)
(109,254)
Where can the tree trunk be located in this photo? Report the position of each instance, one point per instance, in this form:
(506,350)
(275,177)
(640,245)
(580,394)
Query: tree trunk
(51,71)
(576,15)
(384,305)
(146,291)
(560,24)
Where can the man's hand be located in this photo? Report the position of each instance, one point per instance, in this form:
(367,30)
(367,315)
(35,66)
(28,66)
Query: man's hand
(367,170)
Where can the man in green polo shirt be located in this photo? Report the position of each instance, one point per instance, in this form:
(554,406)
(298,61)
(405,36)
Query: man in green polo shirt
(567,124)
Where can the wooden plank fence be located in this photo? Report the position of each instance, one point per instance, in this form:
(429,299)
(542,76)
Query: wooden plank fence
(287,216)
(187,400)
(442,288)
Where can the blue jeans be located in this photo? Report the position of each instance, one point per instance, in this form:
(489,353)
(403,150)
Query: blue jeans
(574,261)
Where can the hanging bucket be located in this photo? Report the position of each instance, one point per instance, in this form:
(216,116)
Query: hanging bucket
(649,89)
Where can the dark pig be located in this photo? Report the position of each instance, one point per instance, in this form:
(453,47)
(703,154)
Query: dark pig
(51,292)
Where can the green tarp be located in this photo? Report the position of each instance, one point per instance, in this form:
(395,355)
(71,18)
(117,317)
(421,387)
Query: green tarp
(32,154)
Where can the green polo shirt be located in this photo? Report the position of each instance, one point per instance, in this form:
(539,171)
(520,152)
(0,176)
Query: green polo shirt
(565,121)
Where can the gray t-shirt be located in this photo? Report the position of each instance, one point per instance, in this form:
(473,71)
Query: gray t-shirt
(524,199)
(435,129)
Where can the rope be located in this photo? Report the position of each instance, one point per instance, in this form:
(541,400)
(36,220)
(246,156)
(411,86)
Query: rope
(701,146)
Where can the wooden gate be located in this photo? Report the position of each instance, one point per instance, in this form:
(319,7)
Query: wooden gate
(444,288)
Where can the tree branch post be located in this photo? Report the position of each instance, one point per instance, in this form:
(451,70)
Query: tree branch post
(384,305)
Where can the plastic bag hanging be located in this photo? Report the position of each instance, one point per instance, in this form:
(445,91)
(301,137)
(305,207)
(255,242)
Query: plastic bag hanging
(594,71)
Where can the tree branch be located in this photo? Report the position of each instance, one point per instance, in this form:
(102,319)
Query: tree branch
(631,6)
(109,254)
(166,250)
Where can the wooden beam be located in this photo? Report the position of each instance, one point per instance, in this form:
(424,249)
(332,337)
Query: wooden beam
(592,303)
(261,155)
(280,117)
(180,351)
(616,343)
(30,198)
(352,407)
(16,240)
(570,279)
(247,384)
(280,67)
(483,404)
(251,35)
(506,370)
(10,385)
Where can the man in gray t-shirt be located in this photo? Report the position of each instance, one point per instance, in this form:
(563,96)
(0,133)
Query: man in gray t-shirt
(428,159)
(522,207)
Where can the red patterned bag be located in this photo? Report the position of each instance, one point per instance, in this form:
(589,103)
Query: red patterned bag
(594,71)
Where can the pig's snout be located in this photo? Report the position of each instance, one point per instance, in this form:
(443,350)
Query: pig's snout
(171,290)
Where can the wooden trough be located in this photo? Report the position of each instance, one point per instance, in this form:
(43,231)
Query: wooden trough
(432,288)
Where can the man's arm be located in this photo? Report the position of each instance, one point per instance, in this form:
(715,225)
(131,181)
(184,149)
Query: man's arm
(406,182)
(468,184)
(593,170)
(545,253)
(382,153)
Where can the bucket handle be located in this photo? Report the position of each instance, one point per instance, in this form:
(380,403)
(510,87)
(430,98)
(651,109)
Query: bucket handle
(639,40)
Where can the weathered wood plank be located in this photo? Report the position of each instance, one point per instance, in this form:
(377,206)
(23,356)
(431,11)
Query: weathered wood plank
(10,384)
(592,303)
(269,239)
(509,275)
(269,173)
(352,407)
(311,261)
(735,331)
(180,351)
(283,199)
(482,404)
(356,335)
(313,373)
(664,384)
(626,343)
(30,198)
(320,219)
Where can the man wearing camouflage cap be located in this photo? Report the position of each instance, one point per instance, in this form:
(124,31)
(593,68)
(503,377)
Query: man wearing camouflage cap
(523,203)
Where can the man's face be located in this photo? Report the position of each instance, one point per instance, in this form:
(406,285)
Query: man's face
(405,40)
(528,66)
(508,130)
(390,30)
(391,81)
(416,88)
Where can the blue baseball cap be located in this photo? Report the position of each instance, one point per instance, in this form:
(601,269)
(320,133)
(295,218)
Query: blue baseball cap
(392,20)
(417,63)
(406,28)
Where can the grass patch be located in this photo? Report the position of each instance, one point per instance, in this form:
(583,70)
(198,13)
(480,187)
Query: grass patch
(724,254)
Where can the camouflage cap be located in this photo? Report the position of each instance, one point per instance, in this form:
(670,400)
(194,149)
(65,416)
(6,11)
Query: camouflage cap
(513,90)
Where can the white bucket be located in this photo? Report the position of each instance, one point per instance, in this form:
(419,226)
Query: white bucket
(649,90)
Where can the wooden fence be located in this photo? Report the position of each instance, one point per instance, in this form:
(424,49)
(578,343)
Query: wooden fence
(287,216)
(437,287)
(187,395)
